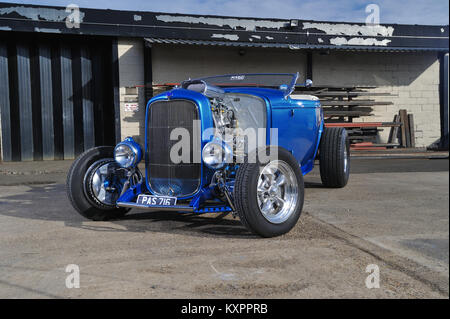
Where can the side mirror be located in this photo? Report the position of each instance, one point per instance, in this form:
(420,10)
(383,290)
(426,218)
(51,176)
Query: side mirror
(308,83)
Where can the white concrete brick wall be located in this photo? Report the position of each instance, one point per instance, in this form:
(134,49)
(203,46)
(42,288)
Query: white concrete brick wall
(131,74)
(413,77)
(178,63)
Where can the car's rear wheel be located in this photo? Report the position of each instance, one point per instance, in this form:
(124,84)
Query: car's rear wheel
(94,183)
(334,157)
(269,196)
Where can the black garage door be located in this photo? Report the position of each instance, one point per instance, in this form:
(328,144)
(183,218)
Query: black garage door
(56,95)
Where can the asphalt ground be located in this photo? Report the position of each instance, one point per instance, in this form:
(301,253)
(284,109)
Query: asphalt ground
(392,214)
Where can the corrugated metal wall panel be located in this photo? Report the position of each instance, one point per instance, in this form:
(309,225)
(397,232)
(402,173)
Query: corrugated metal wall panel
(4,104)
(45,63)
(444,103)
(36,103)
(56,96)
(25,103)
(98,81)
(57,101)
(67,102)
(88,105)
(14,101)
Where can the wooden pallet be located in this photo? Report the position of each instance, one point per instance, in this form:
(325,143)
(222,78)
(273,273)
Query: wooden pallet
(342,105)
(403,133)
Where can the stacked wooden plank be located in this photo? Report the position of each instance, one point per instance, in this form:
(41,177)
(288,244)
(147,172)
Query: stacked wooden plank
(403,133)
(342,105)
(345,104)
(364,134)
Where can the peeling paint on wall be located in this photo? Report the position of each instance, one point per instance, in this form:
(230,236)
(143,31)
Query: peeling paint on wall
(247,24)
(350,29)
(359,41)
(269,38)
(256,37)
(137,17)
(5,28)
(48,14)
(320,40)
(232,37)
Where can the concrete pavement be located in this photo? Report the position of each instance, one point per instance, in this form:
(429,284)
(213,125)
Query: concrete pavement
(392,214)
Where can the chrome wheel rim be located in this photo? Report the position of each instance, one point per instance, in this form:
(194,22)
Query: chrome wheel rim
(277,191)
(105,182)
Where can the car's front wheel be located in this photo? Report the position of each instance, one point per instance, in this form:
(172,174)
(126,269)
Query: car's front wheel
(94,183)
(269,196)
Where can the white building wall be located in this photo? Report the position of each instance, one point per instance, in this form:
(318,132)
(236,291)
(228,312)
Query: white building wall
(131,76)
(178,63)
(413,78)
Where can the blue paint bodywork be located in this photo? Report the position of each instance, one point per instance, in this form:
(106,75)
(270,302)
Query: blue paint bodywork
(299,124)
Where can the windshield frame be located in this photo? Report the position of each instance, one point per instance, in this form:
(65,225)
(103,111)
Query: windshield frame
(286,91)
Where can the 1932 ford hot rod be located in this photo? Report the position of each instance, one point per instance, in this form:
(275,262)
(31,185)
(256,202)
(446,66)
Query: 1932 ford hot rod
(233,143)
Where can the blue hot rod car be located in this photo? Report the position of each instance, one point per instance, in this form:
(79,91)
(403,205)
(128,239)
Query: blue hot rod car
(233,143)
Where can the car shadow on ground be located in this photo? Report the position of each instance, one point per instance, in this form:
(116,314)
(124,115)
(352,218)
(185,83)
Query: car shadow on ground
(49,202)
(222,225)
(312,184)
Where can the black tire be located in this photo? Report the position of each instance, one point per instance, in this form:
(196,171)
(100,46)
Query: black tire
(83,202)
(334,151)
(245,197)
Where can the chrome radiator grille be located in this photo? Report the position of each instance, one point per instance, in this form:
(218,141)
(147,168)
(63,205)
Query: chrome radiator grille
(165,177)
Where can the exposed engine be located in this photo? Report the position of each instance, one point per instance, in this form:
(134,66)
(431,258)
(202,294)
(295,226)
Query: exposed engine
(223,115)
(234,114)
(227,125)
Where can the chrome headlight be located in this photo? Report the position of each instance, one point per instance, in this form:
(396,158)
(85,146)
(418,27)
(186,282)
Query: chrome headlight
(127,153)
(216,154)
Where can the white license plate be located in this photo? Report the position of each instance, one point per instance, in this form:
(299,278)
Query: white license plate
(150,200)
